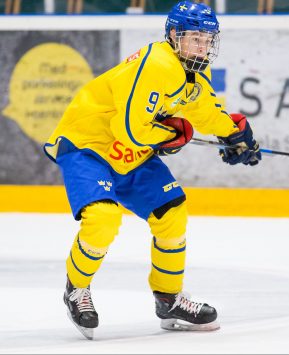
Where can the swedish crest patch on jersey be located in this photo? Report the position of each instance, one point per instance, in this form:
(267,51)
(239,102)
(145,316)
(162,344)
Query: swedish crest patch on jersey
(193,95)
(196,92)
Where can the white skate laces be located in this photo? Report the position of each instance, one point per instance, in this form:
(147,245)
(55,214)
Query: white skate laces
(83,299)
(183,300)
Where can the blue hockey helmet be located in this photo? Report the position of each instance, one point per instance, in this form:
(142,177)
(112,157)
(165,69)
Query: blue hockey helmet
(188,16)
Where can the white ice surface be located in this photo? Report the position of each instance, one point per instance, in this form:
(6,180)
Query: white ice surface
(239,265)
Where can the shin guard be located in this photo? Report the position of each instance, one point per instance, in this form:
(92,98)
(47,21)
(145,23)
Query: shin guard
(99,225)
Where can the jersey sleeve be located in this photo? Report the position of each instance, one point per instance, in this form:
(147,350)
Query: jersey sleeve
(139,93)
(207,115)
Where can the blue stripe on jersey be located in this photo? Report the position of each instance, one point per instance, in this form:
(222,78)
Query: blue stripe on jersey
(226,113)
(179,90)
(168,250)
(82,272)
(86,254)
(167,271)
(218,105)
(165,128)
(213,94)
(130,98)
(206,78)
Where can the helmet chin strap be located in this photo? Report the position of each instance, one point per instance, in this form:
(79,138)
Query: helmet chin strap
(197,64)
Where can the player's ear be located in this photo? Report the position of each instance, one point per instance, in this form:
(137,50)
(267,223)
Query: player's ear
(173,34)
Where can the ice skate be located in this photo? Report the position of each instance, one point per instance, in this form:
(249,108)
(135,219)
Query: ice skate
(178,312)
(80,309)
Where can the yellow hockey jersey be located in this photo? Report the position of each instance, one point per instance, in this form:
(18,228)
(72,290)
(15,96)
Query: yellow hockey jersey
(116,115)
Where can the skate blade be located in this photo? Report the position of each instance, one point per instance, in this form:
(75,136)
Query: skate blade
(87,332)
(177,324)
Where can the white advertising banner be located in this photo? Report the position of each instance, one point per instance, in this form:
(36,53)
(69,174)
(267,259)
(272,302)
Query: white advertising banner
(251,75)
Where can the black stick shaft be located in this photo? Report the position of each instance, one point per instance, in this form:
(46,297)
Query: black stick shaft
(265,151)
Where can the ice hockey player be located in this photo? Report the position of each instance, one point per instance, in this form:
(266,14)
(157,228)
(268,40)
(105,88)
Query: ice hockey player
(107,146)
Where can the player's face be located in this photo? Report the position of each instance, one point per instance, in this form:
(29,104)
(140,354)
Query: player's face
(195,44)
(192,43)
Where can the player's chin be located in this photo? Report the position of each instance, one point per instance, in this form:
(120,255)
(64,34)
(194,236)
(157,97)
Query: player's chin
(197,57)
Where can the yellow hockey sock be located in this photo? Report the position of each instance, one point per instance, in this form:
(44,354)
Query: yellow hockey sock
(168,250)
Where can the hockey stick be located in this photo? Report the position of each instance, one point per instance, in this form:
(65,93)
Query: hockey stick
(264,151)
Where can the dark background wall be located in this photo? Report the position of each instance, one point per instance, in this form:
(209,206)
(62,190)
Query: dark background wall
(22,160)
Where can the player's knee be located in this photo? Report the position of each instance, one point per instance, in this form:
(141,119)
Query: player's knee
(100,222)
(170,229)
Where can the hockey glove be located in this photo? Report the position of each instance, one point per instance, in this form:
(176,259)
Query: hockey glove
(248,151)
(184,135)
